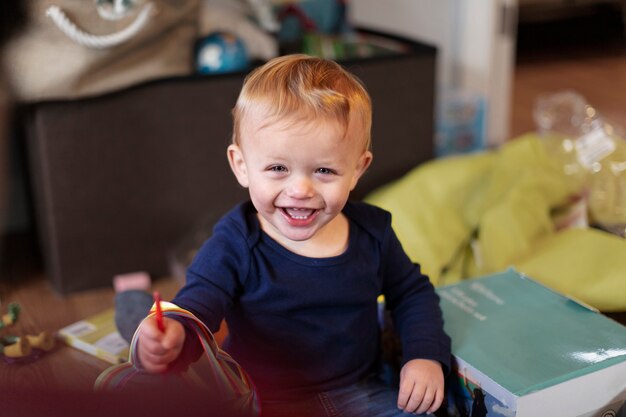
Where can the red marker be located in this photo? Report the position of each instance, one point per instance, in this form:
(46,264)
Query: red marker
(159,312)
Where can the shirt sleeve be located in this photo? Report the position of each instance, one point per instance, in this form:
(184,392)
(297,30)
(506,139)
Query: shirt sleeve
(214,278)
(213,282)
(414,305)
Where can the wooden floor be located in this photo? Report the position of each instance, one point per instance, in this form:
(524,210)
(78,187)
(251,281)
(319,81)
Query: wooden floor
(43,309)
(587,56)
(596,70)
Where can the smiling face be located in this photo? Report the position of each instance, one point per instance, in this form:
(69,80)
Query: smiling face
(301,138)
(299,176)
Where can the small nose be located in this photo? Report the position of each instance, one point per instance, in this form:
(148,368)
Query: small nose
(300,187)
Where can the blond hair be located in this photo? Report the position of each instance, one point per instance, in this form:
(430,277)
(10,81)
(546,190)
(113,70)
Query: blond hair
(304,88)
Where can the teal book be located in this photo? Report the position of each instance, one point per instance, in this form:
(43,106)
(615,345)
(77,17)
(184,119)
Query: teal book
(525,350)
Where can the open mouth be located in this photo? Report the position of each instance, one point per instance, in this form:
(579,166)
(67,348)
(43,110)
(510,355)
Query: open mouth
(299,213)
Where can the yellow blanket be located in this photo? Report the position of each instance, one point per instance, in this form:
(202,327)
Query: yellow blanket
(472,215)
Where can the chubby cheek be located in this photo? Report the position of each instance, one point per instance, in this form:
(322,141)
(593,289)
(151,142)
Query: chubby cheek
(336,199)
(262,195)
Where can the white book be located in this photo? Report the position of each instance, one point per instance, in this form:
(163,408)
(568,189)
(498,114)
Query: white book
(98,336)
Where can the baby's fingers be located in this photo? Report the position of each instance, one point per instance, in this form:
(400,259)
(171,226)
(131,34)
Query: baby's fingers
(404,394)
(150,330)
(174,335)
(153,356)
(437,401)
(417,399)
(153,364)
(424,399)
(154,346)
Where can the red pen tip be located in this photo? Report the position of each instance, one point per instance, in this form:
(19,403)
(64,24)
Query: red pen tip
(159,312)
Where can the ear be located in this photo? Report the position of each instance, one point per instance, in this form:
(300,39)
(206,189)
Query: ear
(238,164)
(364,162)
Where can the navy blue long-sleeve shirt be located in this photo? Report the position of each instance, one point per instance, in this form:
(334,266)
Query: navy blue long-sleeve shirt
(300,325)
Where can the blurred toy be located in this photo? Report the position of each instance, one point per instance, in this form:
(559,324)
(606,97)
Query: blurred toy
(264,15)
(592,153)
(11,316)
(43,341)
(460,123)
(15,347)
(219,53)
(323,17)
(317,28)
(251,21)
(22,349)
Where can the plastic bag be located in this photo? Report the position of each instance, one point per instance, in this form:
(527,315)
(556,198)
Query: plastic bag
(592,153)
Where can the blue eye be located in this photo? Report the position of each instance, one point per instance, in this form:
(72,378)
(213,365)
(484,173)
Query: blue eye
(277,168)
(325,171)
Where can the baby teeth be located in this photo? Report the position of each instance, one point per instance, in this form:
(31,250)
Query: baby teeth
(291,212)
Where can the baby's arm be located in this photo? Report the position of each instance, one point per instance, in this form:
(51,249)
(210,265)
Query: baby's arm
(421,386)
(157,349)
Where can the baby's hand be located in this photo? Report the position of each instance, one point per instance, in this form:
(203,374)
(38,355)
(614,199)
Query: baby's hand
(157,349)
(421,386)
